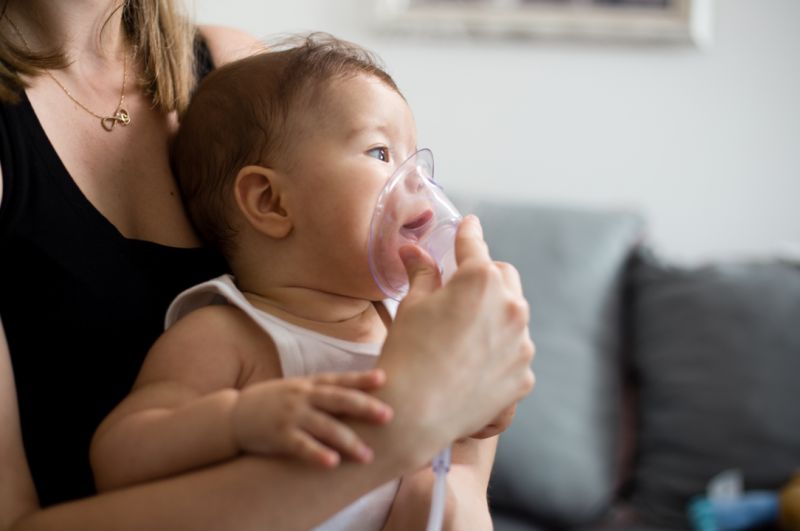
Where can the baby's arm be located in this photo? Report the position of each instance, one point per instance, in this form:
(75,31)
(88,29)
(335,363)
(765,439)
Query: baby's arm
(187,410)
(466,505)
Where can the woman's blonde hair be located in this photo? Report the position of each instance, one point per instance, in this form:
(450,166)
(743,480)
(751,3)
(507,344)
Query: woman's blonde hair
(162,37)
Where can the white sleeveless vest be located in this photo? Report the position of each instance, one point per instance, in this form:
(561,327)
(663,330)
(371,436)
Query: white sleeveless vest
(302,352)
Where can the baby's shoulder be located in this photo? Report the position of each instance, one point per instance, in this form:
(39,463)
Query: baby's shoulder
(217,322)
(220,339)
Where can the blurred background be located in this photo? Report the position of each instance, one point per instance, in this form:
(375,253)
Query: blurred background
(703,141)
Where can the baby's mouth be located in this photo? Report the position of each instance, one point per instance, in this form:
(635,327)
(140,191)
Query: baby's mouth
(417,226)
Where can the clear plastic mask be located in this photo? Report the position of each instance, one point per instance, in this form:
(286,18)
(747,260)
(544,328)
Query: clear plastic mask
(411,209)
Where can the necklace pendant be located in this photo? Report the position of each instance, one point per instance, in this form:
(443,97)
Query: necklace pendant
(120,117)
(123,117)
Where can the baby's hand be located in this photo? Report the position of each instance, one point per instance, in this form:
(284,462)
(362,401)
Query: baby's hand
(299,416)
(498,425)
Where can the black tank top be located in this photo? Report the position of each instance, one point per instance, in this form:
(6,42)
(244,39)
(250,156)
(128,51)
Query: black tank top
(80,303)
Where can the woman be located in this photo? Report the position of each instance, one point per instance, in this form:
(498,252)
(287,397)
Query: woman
(95,243)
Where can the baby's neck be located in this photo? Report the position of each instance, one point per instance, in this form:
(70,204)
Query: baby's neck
(348,318)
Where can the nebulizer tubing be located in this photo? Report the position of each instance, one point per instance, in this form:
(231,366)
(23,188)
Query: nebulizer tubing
(413,209)
(440,466)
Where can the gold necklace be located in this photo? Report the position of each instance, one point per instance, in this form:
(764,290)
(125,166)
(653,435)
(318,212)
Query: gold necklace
(120,116)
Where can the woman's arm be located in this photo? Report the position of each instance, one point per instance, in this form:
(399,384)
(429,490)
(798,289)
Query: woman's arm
(466,505)
(240,495)
(440,389)
(17,494)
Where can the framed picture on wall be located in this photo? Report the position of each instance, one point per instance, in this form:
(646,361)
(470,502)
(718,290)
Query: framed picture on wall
(656,21)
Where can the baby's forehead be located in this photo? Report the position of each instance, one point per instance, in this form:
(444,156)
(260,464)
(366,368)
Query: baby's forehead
(330,92)
(353,99)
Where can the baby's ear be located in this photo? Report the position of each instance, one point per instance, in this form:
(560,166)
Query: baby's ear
(257,192)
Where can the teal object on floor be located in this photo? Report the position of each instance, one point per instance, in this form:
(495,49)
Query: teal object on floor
(749,510)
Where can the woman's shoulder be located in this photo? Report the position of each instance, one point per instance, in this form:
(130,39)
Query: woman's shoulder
(229,44)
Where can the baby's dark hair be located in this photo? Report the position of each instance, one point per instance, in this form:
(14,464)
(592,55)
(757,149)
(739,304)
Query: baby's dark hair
(241,114)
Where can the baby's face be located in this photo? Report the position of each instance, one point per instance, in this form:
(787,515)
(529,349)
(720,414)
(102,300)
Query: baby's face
(349,147)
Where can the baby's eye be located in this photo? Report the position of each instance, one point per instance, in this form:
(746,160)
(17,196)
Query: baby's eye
(380,153)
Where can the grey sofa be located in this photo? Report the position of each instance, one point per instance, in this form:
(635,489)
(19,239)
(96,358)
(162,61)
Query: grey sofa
(651,379)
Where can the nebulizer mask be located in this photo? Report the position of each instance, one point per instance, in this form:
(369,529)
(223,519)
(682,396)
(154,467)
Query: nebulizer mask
(412,209)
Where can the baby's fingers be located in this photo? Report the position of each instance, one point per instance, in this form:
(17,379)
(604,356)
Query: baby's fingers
(341,401)
(307,448)
(364,380)
(337,436)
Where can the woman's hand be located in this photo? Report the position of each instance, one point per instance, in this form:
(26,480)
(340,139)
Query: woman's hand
(457,355)
(503,420)
(498,425)
(300,417)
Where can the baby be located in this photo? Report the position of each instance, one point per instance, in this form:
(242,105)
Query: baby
(281,157)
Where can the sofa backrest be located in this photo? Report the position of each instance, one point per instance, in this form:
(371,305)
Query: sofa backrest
(558,462)
(716,356)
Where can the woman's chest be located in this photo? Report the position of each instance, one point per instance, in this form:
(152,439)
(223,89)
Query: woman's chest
(123,173)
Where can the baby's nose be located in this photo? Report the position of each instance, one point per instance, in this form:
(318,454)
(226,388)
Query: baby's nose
(414,182)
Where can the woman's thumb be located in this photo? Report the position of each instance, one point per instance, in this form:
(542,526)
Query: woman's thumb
(423,274)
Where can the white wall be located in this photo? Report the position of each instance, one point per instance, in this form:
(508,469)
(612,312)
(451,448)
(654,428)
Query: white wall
(705,143)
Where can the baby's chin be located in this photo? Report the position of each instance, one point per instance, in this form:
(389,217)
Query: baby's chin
(373,293)
(352,285)
(370,291)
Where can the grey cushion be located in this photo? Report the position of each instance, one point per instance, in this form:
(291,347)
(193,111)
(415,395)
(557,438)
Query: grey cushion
(556,463)
(717,354)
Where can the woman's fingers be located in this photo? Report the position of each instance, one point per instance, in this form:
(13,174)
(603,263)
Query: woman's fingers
(469,242)
(498,425)
(511,278)
(528,378)
(517,308)
(423,273)
(424,276)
